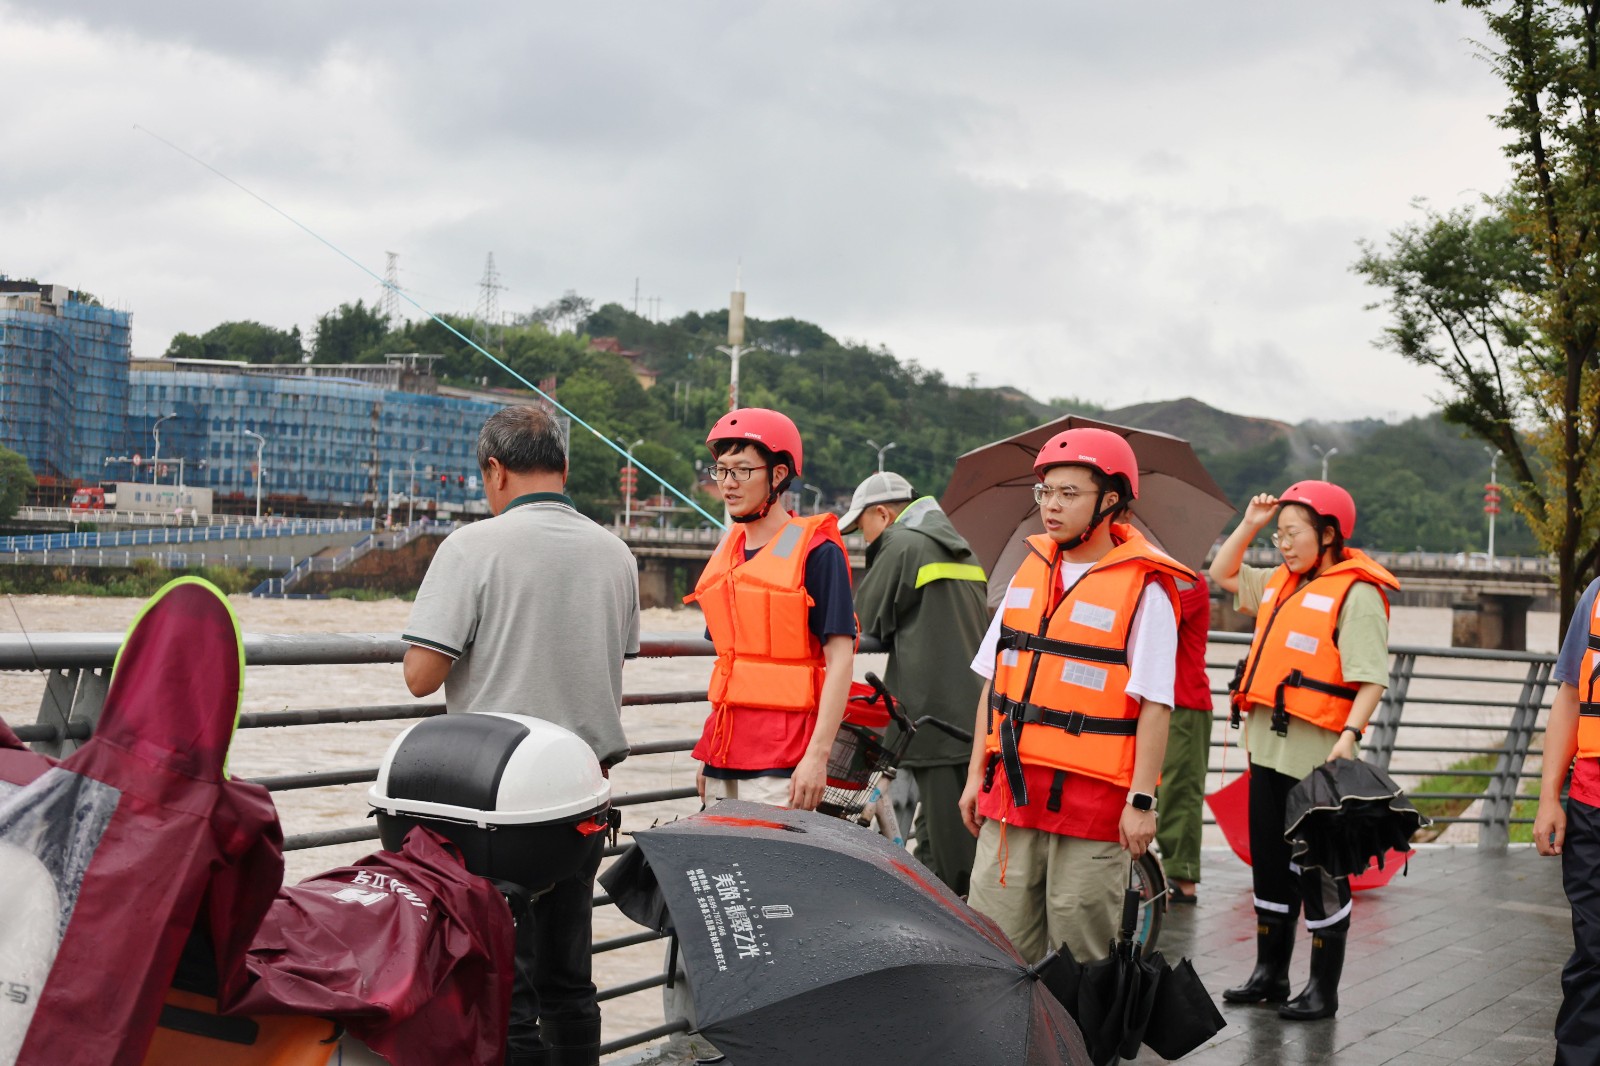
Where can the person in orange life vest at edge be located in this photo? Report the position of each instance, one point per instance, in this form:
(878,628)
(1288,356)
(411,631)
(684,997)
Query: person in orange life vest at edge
(778,607)
(1316,670)
(1574,833)
(1072,726)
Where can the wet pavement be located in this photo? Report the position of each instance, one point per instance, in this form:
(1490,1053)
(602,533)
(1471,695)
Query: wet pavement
(1458,961)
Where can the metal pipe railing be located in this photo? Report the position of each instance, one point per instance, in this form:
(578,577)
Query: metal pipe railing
(77,665)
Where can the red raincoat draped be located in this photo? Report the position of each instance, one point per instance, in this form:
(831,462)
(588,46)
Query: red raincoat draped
(117,852)
(408,951)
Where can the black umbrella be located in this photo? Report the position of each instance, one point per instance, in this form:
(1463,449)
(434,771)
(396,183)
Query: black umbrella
(1130,998)
(810,940)
(1347,813)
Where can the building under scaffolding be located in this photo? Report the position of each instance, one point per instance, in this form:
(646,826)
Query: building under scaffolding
(63,380)
(348,436)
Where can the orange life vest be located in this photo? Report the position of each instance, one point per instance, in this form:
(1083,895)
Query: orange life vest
(1059,697)
(758,615)
(1588,674)
(1293,666)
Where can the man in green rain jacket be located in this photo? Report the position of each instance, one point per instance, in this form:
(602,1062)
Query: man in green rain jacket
(925,596)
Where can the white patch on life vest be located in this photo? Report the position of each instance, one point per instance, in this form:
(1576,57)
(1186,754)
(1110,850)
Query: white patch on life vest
(1302,642)
(1317,602)
(1094,616)
(1083,675)
(1268,592)
(1020,598)
(1008,657)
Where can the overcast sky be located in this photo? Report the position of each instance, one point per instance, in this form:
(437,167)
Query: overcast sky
(1116,201)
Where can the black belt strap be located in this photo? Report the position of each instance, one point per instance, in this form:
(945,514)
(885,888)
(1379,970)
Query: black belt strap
(1014,715)
(1057,783)
(1296,679)
(1594,642)
(1589,710)
(1236,697)
(1016,639)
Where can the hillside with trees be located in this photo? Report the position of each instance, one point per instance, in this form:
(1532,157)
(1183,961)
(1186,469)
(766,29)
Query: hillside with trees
(1419,483)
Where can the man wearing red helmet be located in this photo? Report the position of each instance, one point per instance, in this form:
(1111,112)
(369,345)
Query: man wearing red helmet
(778,607)
(1072,726)
(1316,670)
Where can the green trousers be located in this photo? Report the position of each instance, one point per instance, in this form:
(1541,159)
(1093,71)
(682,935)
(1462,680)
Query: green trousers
(1181,796)
(943,843)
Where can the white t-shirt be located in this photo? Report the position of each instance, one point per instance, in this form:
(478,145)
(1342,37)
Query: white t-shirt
(1152,642)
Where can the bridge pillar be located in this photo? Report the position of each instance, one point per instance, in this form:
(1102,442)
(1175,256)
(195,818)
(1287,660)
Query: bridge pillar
(1490,620)
(656,582)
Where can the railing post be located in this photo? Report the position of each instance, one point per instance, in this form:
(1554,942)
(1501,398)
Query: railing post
(1385,725)
(70,696)
(1499,799)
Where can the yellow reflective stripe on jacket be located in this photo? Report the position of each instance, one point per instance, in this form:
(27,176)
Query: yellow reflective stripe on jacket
(949,572)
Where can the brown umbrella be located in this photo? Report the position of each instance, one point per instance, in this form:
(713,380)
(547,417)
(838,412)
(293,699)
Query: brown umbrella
(990,497)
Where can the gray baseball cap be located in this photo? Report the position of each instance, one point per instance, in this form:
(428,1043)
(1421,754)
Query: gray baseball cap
(887,487)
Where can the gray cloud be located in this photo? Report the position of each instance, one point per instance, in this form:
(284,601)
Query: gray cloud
(1161,196)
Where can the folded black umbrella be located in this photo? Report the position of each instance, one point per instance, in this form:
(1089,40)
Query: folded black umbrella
(810,940)
(1132,998)
(1345,814)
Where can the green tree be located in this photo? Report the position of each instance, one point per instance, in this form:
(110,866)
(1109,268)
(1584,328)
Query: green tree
(251,342)
(1504,304)
(15,481)
(354,333)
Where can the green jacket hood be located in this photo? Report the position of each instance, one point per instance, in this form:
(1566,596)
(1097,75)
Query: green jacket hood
(925,516)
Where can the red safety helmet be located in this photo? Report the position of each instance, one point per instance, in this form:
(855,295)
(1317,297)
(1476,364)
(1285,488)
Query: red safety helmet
(1326,499)
(772,430)
(1102,449)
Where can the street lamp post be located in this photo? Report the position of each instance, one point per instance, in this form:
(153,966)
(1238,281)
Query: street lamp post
(881,450)
(1491,503)
(1326,455)
(627,497)
(816,498)
(261,470)
(735,346)
(155,460)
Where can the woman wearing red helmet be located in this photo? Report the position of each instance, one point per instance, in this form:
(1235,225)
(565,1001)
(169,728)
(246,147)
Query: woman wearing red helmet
(778,607)
(1316,669)
(1072,726)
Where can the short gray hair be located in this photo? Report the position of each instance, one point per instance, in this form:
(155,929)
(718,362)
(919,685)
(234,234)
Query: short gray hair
(526,440)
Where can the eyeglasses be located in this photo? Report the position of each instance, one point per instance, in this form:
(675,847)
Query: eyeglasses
(1285,538)
(738,473)
(1043,494)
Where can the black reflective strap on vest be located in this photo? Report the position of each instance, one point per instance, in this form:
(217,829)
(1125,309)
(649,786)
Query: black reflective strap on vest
(1589,710)
(1016,640)
(1015,715)
(1057,783)
(1295,679)
(1236,697)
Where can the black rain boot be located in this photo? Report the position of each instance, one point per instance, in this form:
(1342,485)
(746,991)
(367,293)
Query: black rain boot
(1320,999)
(573,1043)
(1269,981)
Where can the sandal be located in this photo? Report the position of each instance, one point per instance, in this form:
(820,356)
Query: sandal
(1178,895)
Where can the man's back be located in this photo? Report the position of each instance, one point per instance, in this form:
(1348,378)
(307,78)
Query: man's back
(539,606)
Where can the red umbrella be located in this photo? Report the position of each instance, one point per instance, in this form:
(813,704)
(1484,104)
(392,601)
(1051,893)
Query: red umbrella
(990,497)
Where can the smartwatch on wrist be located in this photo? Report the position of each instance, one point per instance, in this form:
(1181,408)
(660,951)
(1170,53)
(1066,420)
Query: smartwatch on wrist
(1141,801)
(1353,731)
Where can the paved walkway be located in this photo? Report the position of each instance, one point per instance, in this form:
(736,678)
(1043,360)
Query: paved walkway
(1458,961)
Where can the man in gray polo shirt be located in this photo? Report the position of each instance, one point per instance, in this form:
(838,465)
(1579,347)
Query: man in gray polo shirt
(533,612)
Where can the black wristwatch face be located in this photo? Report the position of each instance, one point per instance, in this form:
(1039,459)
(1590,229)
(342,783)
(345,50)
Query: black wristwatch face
(1142,801)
